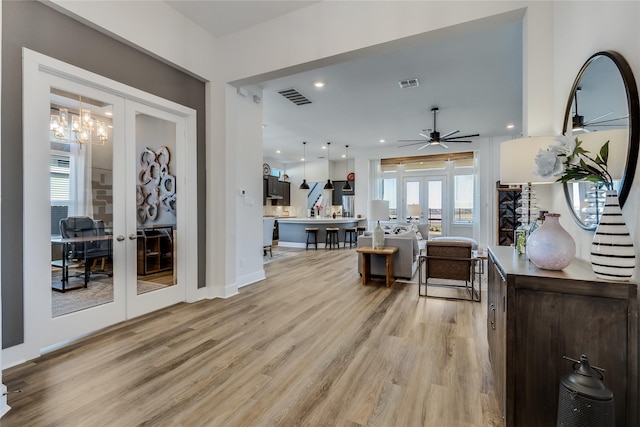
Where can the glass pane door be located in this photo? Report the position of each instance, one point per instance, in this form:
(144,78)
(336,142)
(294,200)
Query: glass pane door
(154,163)
(434,206)
(81,202)
(426,192)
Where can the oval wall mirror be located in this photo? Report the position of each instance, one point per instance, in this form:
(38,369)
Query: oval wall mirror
(603,106)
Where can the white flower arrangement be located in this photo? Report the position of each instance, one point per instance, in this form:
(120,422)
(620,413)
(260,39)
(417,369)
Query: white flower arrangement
(570,162)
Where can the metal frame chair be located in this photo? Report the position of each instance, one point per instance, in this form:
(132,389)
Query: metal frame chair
(449,260)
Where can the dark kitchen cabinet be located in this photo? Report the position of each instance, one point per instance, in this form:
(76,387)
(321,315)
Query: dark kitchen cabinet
(338,192)
(284,191)
(275,191)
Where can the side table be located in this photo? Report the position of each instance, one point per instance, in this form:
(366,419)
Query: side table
(388,252)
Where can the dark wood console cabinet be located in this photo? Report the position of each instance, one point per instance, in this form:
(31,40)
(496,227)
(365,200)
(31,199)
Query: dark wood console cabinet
(537,316)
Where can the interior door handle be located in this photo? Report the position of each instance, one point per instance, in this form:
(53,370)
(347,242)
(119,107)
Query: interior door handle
(120,238)
(133,236)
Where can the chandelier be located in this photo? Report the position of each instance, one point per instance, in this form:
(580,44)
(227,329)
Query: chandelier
(79,128)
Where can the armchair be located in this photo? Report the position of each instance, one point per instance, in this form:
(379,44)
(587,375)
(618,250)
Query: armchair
(452,261)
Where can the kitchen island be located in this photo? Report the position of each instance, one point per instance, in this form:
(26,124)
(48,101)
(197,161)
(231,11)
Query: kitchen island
(292,232)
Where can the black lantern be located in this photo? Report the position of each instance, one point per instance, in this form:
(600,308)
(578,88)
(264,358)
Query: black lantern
(583,399)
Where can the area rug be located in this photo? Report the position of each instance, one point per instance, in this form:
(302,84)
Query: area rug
(278,255)
(98,292)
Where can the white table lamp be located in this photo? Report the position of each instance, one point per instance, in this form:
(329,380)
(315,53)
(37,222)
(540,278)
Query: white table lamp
(414,211)
(517,163)
(378,211)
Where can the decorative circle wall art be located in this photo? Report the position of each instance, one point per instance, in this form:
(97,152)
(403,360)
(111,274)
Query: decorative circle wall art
(157,186)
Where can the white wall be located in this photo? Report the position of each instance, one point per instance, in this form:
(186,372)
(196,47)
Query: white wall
(332,31)
(580,30)
(3,397)
(245,116)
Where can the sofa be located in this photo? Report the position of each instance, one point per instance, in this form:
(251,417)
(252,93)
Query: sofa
(405,262)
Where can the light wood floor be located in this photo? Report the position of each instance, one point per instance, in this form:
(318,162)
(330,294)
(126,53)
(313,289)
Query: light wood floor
(309,346)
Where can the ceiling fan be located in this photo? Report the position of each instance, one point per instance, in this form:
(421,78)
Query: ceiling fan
(434,137)
(579,124)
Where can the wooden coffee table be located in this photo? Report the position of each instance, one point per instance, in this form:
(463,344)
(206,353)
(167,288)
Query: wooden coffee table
(367,251)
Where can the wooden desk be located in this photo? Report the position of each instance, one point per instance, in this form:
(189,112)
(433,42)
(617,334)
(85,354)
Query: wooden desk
(367,251)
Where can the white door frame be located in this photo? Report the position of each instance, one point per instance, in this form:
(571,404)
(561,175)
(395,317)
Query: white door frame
(37,292)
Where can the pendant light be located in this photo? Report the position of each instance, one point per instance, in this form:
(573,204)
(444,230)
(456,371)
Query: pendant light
(304,185)
(328,185)
(347,186)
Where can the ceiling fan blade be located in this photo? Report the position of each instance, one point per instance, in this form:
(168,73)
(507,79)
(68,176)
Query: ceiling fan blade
(462,136)
(424,135)
(591,121)
(459,141)
(443,145)
(411,141)
(425,145)
(446,135)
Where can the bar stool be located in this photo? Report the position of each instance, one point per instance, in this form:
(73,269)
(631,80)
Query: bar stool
(360,231)
(332,238)
(351,234)
(311,231)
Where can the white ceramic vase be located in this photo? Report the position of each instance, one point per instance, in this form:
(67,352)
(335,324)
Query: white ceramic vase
(612,253)
(551,247)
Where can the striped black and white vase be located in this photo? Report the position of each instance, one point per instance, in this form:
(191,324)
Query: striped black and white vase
(612,253)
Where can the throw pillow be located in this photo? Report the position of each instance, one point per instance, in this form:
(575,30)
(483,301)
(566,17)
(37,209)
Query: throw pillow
(400,229)
(411,235)
(414,228)
(424,230)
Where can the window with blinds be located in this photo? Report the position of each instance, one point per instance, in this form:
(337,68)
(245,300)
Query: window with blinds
(58,189)
(59,179)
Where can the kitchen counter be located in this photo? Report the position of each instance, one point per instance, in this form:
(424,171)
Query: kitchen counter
(293,234)
(319,220)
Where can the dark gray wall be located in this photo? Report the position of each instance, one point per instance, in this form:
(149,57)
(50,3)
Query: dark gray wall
(40,28)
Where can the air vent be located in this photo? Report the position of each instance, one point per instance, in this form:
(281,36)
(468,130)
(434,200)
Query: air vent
(294,96)
(404,84)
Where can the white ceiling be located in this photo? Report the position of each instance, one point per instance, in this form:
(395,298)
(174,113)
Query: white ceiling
(474,77)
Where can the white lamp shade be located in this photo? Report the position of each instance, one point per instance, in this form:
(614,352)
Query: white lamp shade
(413,210)
(379,210)
(618,143)
(517,160)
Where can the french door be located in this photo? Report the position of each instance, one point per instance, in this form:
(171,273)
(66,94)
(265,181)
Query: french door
(105,233)
(154,171)
(428,193)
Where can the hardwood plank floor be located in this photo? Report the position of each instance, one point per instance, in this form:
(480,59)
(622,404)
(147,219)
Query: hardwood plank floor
(309,346)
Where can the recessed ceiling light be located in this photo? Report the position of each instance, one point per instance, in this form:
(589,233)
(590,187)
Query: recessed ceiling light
(344,155)
(318,84)
(324,147)
(108,113)
(278,151)
(382,141)
(510,126)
